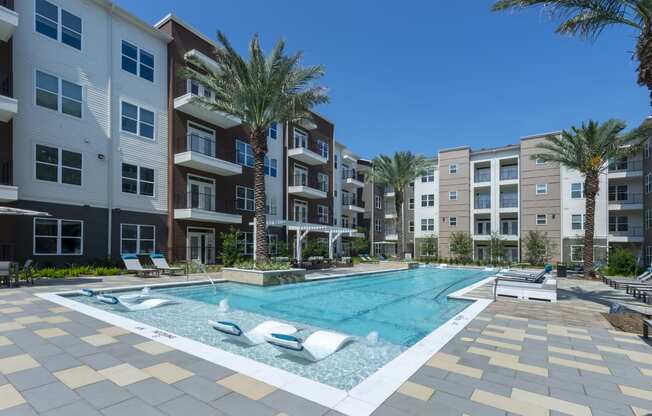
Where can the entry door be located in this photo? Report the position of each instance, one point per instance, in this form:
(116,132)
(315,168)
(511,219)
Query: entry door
(201,247)
(201,193)
(300,211)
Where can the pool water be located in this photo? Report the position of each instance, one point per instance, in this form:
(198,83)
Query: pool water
(401,306)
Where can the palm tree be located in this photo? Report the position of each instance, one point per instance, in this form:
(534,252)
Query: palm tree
(398,171)
(259,91)
(588,18)
(588,149)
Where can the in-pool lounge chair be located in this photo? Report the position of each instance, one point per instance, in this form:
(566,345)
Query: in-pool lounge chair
(366,259)
(132,264)
(641,278)
(534,287)
(525,276)
(316,347)
(256,335)
(160,263)
(129,306)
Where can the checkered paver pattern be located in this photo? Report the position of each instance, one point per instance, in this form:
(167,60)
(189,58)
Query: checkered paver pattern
(539,359)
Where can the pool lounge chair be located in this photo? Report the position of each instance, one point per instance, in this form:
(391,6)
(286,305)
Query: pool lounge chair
(140,306)
(641,278)
(545,289)
(527,276)
(316,347)
(132,264)
(254,336)
(160,263)
(366,259)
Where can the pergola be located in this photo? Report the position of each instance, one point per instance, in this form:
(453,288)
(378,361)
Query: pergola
(303,228)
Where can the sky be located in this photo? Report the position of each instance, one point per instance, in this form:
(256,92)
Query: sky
(427,75)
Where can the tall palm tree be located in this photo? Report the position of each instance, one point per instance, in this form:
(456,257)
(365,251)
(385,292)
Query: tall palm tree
(259,91)
(588,149)
(588,18)
(398,171)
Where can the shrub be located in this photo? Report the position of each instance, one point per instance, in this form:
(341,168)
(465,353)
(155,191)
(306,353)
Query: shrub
(621,263)
(76,271)
(461,245)
(250,265)
(231,252)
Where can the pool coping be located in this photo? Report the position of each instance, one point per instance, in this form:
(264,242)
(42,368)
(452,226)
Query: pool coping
(362,399)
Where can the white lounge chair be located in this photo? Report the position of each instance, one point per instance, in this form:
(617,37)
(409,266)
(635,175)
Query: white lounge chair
(132,264)
(527,290)
(160,263)
(255,336)
(316,347)
(144,305)
(442,266)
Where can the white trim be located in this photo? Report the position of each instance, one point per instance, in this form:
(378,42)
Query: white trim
(59,94)
(545,219)
(138,121)
(138,62)
(138,180)
(58,237)
(59,24)
(543,191)
(59,166)
(138,238)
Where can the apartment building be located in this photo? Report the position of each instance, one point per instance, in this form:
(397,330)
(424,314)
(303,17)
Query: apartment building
(426,211)
(88,137)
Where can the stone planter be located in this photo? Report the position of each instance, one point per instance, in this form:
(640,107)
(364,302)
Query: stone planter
(263,277)
(412,265)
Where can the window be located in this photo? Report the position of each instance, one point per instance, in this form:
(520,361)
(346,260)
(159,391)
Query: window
(483,227)
(272,244)
(452,221)
(270,205)
(301,212)
(411,226)
(58,95)
(577,190)
(452,196)
(322,182)
(428,200)
(577,221)
(137,180)
(648,255)
(272,132)
(58,237)
(648,183)
(540,161)
(270,167)
(618,224)
(335,160)
(648,148)
(542,219)
(541,188)
(411,203)
(452,168)
(577,253)
(322,148)
(322,214)
(136,239)
(648,219)
(137,120)
(137,61)
(247,243)
(618,193)
(377,225)
(300,138)
(429,176)
(378,202)
(58,165)
(427,224)
(244,198)
(47,18)
(244,155)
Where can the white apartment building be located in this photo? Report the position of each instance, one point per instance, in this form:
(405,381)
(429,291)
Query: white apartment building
(426,209)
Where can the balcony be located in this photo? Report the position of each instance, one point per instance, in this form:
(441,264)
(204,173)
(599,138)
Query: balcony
(482,203)
(8,192)
(508,173)
(301,188)
(350,179)
(323,219)
(350,203)
(8,105)
(189,104)
(625,201)
(389,193)
(508,202)
(307,156)
(391,236)
(626,234)
(8,19)
(209,62)
(481,177)
(349,157)
(625,168)
(201,156)
(390,215)
(195,206)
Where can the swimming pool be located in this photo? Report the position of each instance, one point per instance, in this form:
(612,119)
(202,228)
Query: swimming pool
(401,306)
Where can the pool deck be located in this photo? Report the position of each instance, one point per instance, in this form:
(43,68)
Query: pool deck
(526,358)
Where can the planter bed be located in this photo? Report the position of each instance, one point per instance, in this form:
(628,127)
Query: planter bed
(263,277)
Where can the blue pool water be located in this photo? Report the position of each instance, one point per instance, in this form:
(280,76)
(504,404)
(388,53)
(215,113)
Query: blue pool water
(403,307)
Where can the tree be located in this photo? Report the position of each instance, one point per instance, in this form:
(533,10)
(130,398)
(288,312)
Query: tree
(588,18)
(537,247)
(588,149)
(496,247)
(231,248)
(259,91)
(461,245)
(397,172)
(429,247)
(360,244)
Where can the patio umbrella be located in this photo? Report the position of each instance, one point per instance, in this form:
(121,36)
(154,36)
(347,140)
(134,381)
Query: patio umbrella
(26,212)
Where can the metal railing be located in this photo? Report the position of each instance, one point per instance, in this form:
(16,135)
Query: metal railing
(508,173)
(350,174)
(322,186)
(9,4)
(629,232)
(203,145)
(6,86)
(209,202)
(509,202)
(482,177)
(300,180)
(349,199)
(482,204)
(323,219)
(626,166)
(6,173)
(625,198)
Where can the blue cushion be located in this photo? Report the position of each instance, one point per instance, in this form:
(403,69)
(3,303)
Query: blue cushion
(156,256)
(286,341)
(88,292)
(548,268)
(111,300)
(130,257)
(228,328)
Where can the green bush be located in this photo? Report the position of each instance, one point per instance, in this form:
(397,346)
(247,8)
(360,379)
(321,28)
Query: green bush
(76,271)
(621,263)
(250,265)
(231,250)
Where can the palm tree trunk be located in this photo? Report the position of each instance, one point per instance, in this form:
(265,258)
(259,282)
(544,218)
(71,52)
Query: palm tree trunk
(591,184)
(259,198)
(398,205)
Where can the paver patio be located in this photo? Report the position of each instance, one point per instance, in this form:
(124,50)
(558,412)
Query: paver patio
(515,358)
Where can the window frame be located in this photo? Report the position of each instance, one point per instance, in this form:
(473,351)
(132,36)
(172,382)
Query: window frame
(59,94)
(60,167)
(378,202)
(538,161)
(572,251)
(245,198)
(574,223)
(138,121)
(452,169)
(323,149)
(138,238)
(138,61)
(411,203)
(452,221)
(451,194)
(648,183)
(429,176)
(427,224)
(138,180)
(271,167)
(59,237)
(541,191)
(545,219)
(247,154)
(273,127)
(581,190)
(60,26)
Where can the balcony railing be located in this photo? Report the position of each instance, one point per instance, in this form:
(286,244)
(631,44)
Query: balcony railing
(203,145)
(482,177)
(9,4)
(206,202)
(625,198)
(6,173)
(351,200)
(629,232)
(509,173)
(350,174)
(626,166)
(482,204)
(300,180)
(509,202)
(484,232)
(323,219)
(6,87)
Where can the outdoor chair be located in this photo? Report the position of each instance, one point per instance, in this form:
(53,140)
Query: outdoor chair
(28,270)
(160,263)
(132,264)
(6,271)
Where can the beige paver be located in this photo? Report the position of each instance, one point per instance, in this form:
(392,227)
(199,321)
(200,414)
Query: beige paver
(508,404)
(168,372)
(247,386)
(99,340)
(79,376)
(510,361)
(483,318)
(579,365)
(499,344)
(26,320)
(113,331)
(57,319)
(622,334)
(10,326)
(449,363)
(513,318)
(639,357)
(4,341)
(10,397)
(59,309)
(153,348)
(535,326)
(17,363)
(569,332)
(636,392)
(124,374)
(467,339)
(551,403)
(575,353)
(416,390)
(646,371)
(634,341)
(50,332)
(13,309)
(641,412)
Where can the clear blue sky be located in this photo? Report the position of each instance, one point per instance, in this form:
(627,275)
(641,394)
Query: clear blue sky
(420,76)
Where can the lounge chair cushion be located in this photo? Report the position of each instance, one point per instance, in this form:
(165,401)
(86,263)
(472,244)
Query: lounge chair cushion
(228,328)
(111,300)
(88,292)
(286,341)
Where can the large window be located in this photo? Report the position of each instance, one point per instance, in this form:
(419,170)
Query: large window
(427,224)
(247,243)
(322,182)
(58,237)
(300,138)
(58,94)
(58,24)
(378,225)
(272,132)
(137,61)
(137,180)
(428,200)
(378,202)
(648,219)
(58,165)
(270,167)
(270,205)
(648,183)
(648,255)
(244,155)
(137,120)
(618,223)
(429,176)
(137,239)
(452,221)
(577,221)
(244,198)
(322,214)
(577,190)
(322,147)
(411,203)
(577,253)
(272,244)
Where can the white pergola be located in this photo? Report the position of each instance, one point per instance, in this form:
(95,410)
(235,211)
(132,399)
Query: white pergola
(303,228)
(24,212)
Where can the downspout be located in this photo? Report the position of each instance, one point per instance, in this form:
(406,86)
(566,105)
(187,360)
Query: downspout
(286,133)
(109,161)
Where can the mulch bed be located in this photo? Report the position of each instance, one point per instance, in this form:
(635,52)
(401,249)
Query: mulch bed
(626,322)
